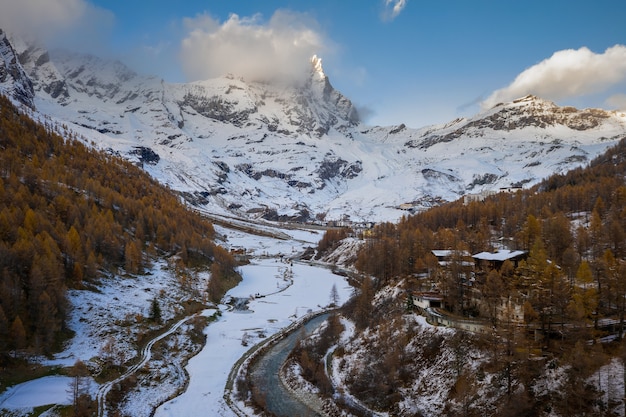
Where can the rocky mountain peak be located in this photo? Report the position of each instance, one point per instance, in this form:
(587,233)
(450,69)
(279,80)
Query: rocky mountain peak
(534,111)
(283,150)
(529,112)
(334,103)
(316,67)
(42,72)
(13,79)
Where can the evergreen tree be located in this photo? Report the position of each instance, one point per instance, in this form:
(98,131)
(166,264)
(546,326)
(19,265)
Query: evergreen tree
(17,334)
(410,304)
(155,311)
(4,331)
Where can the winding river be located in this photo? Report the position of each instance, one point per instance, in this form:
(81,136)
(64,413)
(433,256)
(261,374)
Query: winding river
(265,374)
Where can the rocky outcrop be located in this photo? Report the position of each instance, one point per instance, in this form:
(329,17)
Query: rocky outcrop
(14,82)
(526,112)
(41,70)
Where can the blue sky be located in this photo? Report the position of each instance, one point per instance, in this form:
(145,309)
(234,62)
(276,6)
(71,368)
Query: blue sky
(427,62)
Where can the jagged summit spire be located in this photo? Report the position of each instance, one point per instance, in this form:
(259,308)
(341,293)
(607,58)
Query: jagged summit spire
(316,66)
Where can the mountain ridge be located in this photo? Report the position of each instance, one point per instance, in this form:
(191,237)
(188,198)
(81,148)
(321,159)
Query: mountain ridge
(13,79)
(299,152)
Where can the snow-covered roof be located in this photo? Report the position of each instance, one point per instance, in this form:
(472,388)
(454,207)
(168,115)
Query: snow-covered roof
(501,255)
(444,253)
(430,296)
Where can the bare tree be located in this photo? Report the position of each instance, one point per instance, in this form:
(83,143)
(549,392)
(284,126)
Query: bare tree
(79,389)
(334,296)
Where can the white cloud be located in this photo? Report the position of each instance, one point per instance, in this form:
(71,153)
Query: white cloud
(393,8)
(249,47)
(566,74)
(49,19)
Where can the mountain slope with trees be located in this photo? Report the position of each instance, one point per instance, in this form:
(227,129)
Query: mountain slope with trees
(557,357)
(70,215)
(297,151)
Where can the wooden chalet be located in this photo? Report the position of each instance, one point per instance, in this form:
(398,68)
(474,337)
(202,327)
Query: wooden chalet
(487,261)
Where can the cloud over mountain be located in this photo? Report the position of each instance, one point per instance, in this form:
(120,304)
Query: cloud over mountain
(54,20)
(567,73)
(249,47)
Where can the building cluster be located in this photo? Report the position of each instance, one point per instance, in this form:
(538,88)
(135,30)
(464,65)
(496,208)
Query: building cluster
(432,304)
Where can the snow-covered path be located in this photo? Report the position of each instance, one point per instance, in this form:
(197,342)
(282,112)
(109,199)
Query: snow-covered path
(144,357)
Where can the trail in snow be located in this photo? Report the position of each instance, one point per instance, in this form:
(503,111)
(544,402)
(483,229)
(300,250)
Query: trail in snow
(145,355)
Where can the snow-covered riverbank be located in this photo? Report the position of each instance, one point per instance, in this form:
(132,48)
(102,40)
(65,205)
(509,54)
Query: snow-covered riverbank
(308,289)
(279,292)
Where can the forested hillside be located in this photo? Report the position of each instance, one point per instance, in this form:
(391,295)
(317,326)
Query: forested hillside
(551,324)
(577,216)
(572,225)
(70,215)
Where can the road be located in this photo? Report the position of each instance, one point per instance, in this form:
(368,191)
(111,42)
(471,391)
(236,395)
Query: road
(144,357)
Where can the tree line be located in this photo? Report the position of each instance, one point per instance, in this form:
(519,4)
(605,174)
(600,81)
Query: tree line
(70,214)
(573,227)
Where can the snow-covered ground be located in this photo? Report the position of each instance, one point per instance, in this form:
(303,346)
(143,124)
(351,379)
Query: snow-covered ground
(42,391)
(292,291)
(280,292)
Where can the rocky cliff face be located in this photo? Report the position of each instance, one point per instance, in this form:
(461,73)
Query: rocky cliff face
(526,112)
(13,79)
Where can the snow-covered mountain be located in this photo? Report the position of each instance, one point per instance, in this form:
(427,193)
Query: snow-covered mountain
(14,82)
(287,150)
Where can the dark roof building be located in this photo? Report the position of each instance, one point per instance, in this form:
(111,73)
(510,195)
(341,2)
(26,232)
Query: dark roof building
(494,260)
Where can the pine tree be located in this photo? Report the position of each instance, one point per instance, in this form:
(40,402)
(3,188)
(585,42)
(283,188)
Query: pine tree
(410,304)
(4,331)
(17,334)
(155,311)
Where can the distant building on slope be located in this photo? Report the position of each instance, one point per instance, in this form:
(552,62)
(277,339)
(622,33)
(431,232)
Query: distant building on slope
(468,198)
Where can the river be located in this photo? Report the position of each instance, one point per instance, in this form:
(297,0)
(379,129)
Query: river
(280,293)
(265,374)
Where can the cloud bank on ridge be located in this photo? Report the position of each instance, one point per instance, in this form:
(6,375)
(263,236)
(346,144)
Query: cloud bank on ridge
(248,47)
(55,20)
(567,74)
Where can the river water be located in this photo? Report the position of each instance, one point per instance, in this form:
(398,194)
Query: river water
(265,375)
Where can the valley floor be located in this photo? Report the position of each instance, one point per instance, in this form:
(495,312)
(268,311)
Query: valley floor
(278,291)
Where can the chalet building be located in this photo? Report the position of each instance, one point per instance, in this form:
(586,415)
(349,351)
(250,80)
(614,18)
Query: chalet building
(427,300)
(487,261)
(446,256)
(506,310)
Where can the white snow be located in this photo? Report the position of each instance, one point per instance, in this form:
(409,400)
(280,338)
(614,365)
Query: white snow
(279,304)
(42,391)
(280,292)
(261,150)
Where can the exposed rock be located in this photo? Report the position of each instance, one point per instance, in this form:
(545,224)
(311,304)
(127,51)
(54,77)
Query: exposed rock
(332,167)
(529,111)
(13,79)
(146,155)
(218,108)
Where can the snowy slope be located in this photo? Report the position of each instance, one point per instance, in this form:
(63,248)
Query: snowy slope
(281,150)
